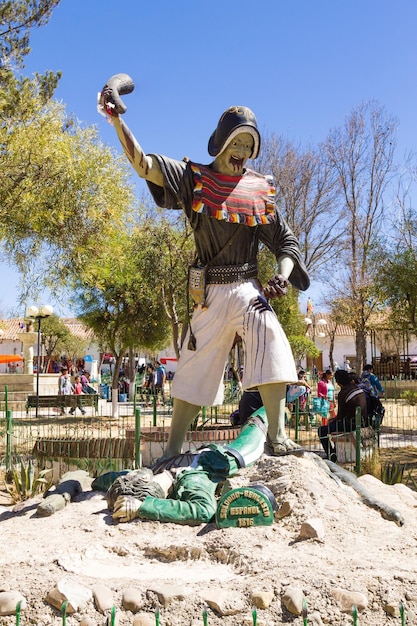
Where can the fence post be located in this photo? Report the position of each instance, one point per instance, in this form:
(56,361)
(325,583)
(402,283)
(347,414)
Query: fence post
(138,459)
(9,426)
(358,423)
(154,410)
(297,417)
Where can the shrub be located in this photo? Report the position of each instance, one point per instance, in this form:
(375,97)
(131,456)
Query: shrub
(410,397)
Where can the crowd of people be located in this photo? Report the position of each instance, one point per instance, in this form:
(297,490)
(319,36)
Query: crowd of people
(73,382)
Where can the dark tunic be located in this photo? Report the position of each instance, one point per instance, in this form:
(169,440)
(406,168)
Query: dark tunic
(212,234)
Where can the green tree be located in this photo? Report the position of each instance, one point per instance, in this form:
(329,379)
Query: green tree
(57,340)
(17,17)
(61,192)
(118,297)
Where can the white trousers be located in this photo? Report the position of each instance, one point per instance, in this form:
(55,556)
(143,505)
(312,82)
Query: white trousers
(268,357)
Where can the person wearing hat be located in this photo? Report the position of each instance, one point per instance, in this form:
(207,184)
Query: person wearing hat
(232,211)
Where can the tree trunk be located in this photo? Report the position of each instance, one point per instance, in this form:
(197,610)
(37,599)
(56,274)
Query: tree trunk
(360,341)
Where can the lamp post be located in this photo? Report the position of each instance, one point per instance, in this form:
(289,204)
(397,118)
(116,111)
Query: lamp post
(39,313)
(315,324)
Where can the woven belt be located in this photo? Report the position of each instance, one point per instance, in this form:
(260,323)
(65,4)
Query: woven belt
(225,274)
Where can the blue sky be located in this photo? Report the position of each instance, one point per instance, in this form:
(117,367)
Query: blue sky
(301,65)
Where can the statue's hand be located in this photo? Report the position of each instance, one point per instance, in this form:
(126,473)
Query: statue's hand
(109,99)
(126,508)
(260,303)
(276,287)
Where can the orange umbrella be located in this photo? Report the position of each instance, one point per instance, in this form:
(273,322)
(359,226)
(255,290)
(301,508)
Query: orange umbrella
(10,358)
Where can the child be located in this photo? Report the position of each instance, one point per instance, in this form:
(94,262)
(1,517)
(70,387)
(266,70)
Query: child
(78,390)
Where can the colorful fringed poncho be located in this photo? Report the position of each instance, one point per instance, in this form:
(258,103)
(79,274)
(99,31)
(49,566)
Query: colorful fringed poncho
(216,205)
(247,199)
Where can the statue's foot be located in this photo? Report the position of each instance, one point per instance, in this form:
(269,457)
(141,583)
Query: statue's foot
(280,445)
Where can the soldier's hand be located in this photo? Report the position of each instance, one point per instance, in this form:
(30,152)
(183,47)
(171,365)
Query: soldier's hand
(126,508)
(109,100)
(276,287)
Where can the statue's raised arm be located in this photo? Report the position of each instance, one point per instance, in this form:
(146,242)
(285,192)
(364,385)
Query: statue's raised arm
(111,105)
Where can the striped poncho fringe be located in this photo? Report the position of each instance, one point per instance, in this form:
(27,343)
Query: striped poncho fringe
(248,199)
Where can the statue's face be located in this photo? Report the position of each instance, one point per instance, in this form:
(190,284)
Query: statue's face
(233,158)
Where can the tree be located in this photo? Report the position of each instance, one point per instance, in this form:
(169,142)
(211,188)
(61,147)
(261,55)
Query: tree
(17,17)
(361,153)
(57,339)
(118,296)
(307,190)
(61,191)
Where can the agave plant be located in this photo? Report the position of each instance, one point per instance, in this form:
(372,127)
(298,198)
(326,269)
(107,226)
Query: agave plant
(28,481)
(392,473)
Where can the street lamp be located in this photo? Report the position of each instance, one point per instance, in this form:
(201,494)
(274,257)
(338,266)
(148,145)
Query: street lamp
(320,323)
(39,313)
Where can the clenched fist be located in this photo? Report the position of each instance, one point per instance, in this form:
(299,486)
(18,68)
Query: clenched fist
(276,287)
(110,100)
(126,508)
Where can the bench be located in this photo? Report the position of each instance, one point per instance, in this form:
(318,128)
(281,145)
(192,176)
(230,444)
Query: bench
(73,448)
(345,444)
(63,402)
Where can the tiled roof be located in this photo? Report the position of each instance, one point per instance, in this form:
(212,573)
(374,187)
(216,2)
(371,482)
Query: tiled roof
(342,330)
(12,327)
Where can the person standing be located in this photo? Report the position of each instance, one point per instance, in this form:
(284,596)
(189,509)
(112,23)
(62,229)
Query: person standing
(372,379)
(160,378)
(232,211)
(64,385)
(78,390)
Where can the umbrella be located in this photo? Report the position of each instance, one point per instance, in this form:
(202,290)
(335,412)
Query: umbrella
(10,358)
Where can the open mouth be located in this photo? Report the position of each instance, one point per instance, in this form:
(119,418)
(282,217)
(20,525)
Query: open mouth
(236,163)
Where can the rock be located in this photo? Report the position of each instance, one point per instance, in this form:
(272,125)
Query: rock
(9,601)
(224,602)
(103,598)
(284,510)
(347,599)
(262,599)
(144,619)
(312,528)
(293,600)
(167,593)
(392,608)
(248,621)
(132,600)
(74,482)
(88,621)
(69,591)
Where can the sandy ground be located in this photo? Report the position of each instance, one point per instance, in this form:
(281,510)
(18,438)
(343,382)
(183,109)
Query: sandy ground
(359,552)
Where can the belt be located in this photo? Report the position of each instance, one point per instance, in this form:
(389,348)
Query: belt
(225,274)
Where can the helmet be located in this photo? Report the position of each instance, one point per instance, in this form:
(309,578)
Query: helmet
(234,121)
(266,492)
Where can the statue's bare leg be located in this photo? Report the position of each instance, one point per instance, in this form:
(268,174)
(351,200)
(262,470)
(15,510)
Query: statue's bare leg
(182,415)
(273,397)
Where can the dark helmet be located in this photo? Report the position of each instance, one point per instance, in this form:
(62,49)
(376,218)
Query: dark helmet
(234,121)
(264,490)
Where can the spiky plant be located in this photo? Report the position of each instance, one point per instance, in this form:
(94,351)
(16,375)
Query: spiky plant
(27,481)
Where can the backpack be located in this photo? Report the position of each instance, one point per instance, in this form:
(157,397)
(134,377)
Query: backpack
(376,412)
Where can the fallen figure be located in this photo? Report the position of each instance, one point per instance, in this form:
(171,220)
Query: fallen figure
(184,495)
(184,488)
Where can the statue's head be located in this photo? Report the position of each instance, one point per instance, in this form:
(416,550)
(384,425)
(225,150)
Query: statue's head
(234,121)
(235,140)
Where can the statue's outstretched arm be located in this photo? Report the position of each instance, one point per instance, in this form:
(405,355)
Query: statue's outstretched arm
(112,106)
